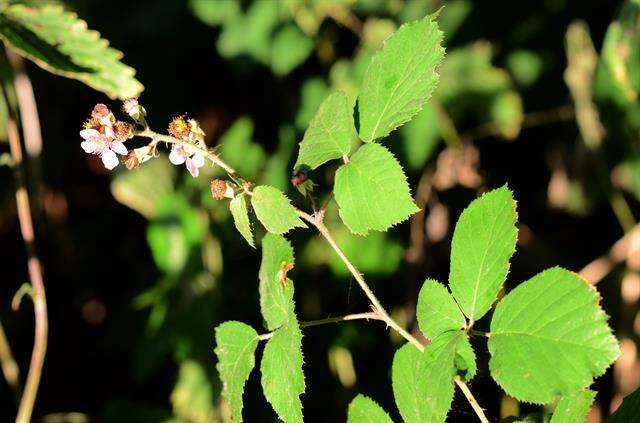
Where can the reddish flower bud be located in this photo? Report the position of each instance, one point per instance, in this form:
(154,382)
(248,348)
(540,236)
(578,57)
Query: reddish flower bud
(100,111)
(179,127)
(122,130)
(131,160)
(298,179)
(219,189)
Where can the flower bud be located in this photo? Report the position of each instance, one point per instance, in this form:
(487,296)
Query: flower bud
(100,111)
(122,131)
(220,189)
(134,109)
(179,127)
(131,160)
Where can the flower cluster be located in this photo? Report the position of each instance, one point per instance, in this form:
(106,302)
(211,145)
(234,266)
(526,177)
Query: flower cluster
(192,154)
(104,136)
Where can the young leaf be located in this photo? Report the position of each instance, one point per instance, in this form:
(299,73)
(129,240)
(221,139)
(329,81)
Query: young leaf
(59,42)
(236,344)
(423,381)
(437,311)
(483,242)
(550,337)
(365,410)
(240,213)
(276,297)
(465,359)
(400,78)
(372,191)
(274,210)
(282,375)
(573,407)
(628,410)
(329,134)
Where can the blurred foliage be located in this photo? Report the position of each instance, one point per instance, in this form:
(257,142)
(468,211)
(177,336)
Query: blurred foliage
(254,73)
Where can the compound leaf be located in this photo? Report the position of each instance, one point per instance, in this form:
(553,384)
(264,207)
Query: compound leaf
(437,311)
(236,344)
(59,42)
(365,410)
(550,337)
(483,242)
(400,78)
(274,210)
(240,213)
(282,375)
(573,407)
(329,134)
(372,191)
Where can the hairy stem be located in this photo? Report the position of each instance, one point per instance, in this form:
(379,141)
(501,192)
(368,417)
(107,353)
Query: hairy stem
(310,323)
(28,399)
(470,398)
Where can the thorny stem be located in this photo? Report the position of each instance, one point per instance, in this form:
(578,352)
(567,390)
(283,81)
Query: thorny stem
(317,220)
(358,316)
(28,399)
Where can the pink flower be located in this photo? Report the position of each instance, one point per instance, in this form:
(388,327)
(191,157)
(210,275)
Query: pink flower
(191,156)
(103,145)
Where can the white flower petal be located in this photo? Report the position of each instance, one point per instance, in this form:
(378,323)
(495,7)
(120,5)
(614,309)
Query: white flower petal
(193,169)
(198,160)
(176,156)
(108,132)
(89,134)
(119,148)
(109,159)
(89,146)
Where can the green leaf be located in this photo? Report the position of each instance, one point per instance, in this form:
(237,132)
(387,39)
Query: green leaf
(437,311)
(192,396)
(423,381)
(239,151)
(629,409)
(420,137)
(365,410)
(290,48)
(329,134)
(59,42)
(215,13)
(236,344)
(550,337)
(282,375)
(465,360)
(240,213)
(276,298)
(483,242)
(143,189)
(274,210)
(400,78)
(372,191)
(174,232)
(312,93)
(573,407)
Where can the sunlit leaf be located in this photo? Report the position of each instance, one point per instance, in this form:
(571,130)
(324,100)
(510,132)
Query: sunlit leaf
(274,210)
(550,337)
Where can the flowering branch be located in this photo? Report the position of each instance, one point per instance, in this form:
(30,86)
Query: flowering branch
(187,146)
